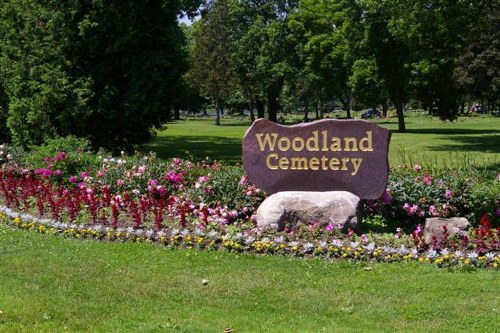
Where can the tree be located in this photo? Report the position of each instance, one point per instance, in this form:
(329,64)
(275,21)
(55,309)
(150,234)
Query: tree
(334,34)
(211,68)
(104,71)
(264,33)
(477,68)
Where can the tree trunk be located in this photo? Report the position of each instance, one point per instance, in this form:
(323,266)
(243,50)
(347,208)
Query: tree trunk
(252,113)
(385,107)
(260,107)
(177,113)
(401,115)
(321,105)
(306,111)
(218,106)
(272,105)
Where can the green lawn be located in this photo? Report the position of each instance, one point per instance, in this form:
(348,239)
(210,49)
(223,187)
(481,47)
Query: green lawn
(470,140)
(54,284)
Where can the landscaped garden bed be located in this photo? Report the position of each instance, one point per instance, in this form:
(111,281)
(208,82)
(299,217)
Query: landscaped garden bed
(64,189)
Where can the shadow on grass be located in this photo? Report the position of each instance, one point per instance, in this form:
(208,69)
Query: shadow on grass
(218,148)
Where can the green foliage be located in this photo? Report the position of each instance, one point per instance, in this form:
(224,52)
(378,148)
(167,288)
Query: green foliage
(415,193)
(85,68)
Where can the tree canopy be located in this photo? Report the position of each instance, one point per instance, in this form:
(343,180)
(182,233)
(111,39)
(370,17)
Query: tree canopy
(112,71)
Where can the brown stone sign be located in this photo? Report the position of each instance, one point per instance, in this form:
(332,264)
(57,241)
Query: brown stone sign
(326,155)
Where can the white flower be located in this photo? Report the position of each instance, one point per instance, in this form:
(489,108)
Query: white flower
(370,247)
(337,243)
(458,253)
(213,234)
(445,252)
(308,246)
(149,233)
(199,232)
(354,244)
(130,230)
(490,256)
(431,254)
(323,244)
(403,250)
(279,239)
(472,256)
(249,240)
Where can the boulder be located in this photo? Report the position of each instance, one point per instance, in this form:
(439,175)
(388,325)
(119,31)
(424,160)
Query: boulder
(454,226)
(340,208)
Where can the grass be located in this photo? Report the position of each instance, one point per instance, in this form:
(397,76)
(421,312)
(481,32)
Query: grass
(470,140)
(51,284)
(54,284)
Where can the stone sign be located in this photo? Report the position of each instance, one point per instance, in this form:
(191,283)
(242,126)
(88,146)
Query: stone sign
(326,155)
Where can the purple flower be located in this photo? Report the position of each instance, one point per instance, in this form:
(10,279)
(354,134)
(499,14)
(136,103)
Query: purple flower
(448,194)
(386,198)
(497,212)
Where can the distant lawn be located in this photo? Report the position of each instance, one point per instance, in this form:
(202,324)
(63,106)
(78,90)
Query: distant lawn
(470,140)
(54,284)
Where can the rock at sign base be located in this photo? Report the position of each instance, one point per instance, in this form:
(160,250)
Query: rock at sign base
(340,208)
(455,226)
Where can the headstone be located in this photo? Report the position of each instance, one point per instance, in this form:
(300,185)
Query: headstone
(325,155)
(339,209)
(454,226)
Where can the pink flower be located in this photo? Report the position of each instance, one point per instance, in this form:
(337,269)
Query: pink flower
(428,179)
(364,238)
(60,156)
(448,194)
(417,168)
(72,179)
(84,175)
(329,227)
(57,172)
(497,212)
(203,179)
(433,211)
(244,180)
(120,182)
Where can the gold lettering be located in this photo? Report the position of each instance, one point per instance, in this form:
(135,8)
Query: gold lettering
(283,163)
(324,159)
(267,140)
(314,163)
(312,144)
(324,135)
(298,144)
(284,144)
(344,163)
(336,144)
(334,163)
(298,163)
(350,141)
(356,163)
(365,144)
(268,161)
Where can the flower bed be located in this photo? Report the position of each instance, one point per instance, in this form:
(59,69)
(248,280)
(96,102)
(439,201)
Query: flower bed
(208,205)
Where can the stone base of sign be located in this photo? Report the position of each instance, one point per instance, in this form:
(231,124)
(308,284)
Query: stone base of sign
(454,226)
(290,208)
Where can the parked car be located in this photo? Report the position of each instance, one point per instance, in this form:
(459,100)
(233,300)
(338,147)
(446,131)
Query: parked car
(370,113)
